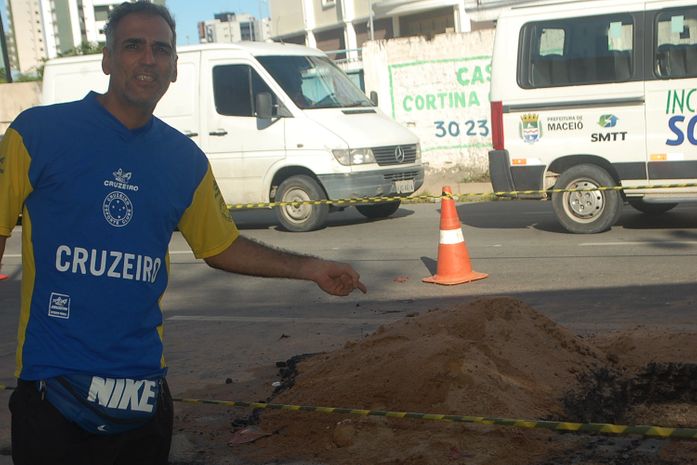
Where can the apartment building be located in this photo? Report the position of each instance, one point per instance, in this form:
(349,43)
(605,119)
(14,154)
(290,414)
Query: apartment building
(344,25)
(233,27)
(44,29)
(24,21)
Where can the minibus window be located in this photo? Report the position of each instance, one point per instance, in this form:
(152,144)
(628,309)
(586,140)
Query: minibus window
(578,51)
(676,43)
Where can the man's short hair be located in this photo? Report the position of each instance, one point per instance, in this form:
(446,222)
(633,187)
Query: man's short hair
(142,7)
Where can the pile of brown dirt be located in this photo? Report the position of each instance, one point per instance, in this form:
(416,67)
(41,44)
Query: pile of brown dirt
(493,357)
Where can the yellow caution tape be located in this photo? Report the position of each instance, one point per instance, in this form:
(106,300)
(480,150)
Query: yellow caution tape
(660,432)
(561,426)
(338,202)
(428,198)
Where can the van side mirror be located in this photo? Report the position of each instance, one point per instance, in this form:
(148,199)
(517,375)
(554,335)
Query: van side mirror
(374,97)
(263,102)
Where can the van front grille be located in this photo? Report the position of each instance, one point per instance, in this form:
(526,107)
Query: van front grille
(407,175)
(395,154)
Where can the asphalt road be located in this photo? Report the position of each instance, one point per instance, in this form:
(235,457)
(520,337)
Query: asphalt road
(218,325)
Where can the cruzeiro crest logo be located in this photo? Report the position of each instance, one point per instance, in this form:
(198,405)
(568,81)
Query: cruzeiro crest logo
(530,129)
(118,209)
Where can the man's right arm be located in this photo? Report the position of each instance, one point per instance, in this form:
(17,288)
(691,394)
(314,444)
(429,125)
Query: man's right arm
(248,257)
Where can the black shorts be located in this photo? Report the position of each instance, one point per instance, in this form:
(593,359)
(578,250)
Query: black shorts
(41,435)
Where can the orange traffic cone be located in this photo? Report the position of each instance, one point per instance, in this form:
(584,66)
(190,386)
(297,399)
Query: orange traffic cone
(453,258)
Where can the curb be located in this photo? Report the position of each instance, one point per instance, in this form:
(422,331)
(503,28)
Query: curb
(435,187)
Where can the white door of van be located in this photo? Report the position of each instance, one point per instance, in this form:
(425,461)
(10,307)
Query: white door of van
(241,146)
(671,94)
(179,107)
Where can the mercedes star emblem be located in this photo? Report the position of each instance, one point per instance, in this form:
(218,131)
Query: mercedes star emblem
(399,154)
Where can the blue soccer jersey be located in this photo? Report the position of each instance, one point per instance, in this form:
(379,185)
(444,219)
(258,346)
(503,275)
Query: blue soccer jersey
(99,203)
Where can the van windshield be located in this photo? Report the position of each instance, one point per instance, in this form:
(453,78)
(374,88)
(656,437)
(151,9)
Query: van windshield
(314,82)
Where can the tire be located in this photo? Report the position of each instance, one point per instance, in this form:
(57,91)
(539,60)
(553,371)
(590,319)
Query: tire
(650,208)
(378,210)
(301,218)
(586,212)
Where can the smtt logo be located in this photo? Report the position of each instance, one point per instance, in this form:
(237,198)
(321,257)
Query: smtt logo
(59,306)
(607,121)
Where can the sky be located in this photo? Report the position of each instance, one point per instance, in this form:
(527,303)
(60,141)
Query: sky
(187,14)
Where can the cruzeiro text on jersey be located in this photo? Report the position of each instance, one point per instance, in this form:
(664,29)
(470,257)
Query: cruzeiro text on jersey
(109,263)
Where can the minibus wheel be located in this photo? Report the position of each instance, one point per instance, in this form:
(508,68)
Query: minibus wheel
(650,208)
(303,216)
(588,211)
(378,210)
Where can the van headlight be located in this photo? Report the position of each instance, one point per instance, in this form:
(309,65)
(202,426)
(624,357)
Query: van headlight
(418,153)
(348,157)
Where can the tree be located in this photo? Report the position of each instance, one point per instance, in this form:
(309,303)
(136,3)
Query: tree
(85,48)
(29,77)
(3,78)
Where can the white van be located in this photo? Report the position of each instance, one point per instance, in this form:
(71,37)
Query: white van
(596,93)
(278,122)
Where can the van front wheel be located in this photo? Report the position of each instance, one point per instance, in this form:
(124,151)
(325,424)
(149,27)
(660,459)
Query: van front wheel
(303,216)
(586,211)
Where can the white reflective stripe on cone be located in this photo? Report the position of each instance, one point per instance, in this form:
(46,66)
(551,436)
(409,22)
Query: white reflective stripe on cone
(451,236)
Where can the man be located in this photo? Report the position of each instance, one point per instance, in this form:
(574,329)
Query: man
(294,87)
(102,185)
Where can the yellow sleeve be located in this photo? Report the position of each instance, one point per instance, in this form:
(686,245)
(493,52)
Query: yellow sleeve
(207,225)
(14,179)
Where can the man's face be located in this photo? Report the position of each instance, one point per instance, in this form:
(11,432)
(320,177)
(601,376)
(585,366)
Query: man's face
(143,62)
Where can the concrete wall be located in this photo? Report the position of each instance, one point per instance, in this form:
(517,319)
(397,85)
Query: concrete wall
(286,16)
(440,90)
(327,16)
(15,98)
